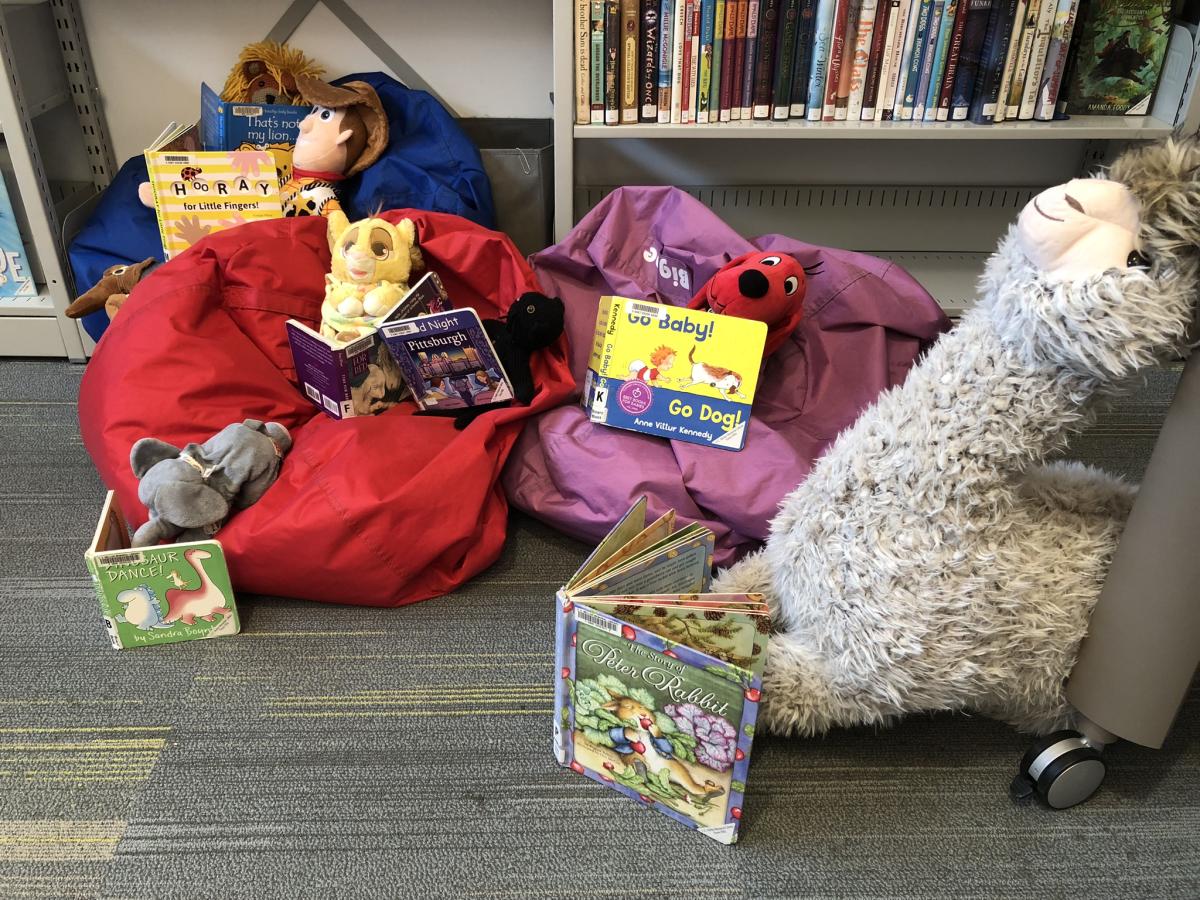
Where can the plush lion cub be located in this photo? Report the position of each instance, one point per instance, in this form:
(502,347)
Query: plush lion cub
(372,263)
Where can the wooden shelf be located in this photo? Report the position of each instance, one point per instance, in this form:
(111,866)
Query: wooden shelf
(1077,128)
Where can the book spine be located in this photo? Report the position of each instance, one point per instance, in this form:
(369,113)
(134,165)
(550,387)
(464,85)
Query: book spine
(612,62)
(837,47)
(685,63)
(936,11)
(739,69)
(940,54)
(93,568)
(648,56)
(583,56)
(822,36)
(803,64)
(1016,88)
(864,38)
(912,72)
(704,96)
(597,62)
(729,62)
(889,67)
(718,62)
(956,38)
(688,86)
(1072,60)
(752,35)
(666,45)
(705,65)
(841,100)
(785,54)
(1011,54)
(562,714)
(630,66)
(677,39)
(1037,60)
(764,77)
(979,13)
(879,37)
(150,170)
(908,47)
(694,73)
(1056,58)
(991,62)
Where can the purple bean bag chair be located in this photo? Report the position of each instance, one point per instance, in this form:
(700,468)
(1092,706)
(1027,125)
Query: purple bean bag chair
(865,323)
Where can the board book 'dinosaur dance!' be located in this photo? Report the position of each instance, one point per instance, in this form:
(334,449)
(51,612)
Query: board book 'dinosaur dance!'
(162,594)
(657,683)
(673,372)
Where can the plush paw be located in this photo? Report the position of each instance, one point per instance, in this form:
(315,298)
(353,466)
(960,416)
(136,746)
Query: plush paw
(379,300)
(351,308)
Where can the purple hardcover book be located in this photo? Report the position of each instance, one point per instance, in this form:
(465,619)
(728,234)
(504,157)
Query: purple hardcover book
(357,379)
(448,361)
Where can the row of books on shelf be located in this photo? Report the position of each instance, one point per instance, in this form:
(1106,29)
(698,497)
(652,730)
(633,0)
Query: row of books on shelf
(986,61)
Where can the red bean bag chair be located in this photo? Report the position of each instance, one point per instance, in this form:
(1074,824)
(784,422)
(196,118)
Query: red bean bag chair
(380,510)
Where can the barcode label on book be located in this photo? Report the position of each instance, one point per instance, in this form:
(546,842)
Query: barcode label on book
(399,329)
(252,111)
(312,392)
(177,160)
(330,404)
(121,558)
(360,346)
(654,310)
(596,621)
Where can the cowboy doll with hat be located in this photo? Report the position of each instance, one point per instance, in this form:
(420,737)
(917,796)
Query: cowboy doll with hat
(346,132)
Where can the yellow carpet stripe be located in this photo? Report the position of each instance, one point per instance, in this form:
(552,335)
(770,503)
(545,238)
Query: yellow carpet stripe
(60,840)
(412,713)
(82,728)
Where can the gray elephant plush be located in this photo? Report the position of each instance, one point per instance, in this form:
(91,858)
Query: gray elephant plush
(190,492)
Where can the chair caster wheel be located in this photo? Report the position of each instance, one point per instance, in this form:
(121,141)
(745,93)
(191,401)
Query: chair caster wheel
(1062,768)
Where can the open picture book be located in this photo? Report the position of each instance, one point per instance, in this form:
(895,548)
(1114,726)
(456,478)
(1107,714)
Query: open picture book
(657,681)
(200,192)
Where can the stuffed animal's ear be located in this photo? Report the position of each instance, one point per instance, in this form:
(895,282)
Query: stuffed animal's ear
(252,68)
(190,504)
(408,231)
(279,434)
(336,224)
(345,136)
(149,452)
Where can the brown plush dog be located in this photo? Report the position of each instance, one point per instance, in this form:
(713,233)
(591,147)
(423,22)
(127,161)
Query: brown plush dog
(111,290)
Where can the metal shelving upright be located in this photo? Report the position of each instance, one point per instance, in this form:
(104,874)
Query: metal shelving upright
(47,90)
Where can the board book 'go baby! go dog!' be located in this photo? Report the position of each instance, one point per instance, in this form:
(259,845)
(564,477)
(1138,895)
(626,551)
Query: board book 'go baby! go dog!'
(673,372)
(657,683)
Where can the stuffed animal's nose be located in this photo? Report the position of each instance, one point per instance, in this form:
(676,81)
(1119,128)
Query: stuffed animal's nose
(753,284)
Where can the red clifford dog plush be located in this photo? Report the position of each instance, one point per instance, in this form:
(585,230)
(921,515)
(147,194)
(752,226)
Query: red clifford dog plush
(764,286)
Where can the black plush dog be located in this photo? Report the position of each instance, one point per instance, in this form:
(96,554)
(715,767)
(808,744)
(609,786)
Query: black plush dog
(534,322)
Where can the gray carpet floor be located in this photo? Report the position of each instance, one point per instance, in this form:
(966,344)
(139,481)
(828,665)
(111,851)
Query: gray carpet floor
(335,751)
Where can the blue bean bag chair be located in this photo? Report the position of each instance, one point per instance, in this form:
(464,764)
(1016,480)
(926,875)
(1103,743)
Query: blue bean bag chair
(429,164)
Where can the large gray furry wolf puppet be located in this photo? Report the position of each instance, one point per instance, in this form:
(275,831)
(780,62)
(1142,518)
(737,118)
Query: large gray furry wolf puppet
(933,560)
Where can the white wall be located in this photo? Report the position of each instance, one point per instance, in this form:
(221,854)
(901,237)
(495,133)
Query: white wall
(484,58)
